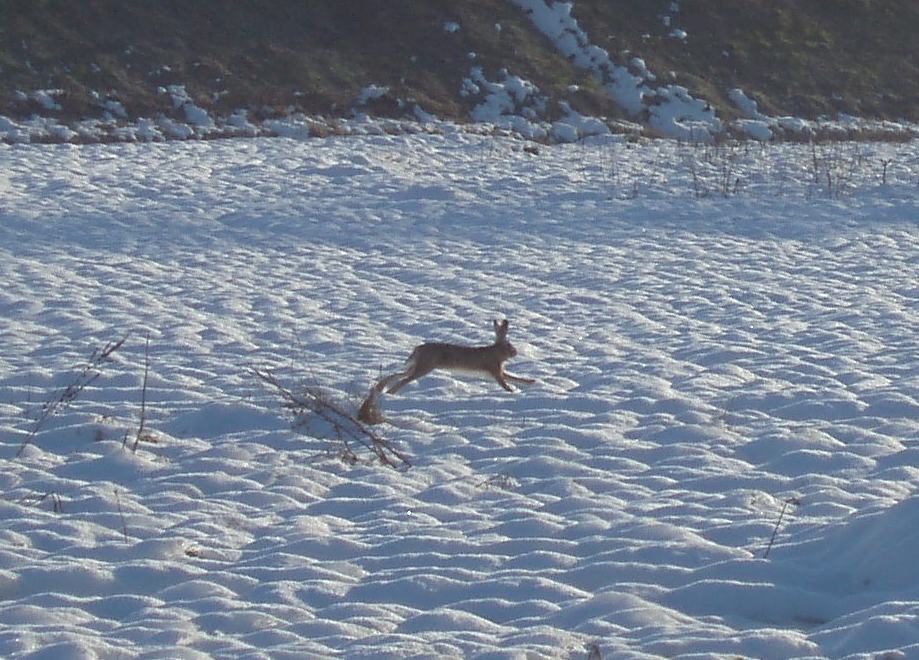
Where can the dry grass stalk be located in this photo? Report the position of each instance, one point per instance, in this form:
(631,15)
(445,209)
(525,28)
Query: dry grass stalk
(84,378)
(141,434)
(124,525)
(791,500)
(57,504)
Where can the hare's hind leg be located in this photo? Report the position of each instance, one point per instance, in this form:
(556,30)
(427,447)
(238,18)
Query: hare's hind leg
(384,383)
(519,379)
(402,383)
(414,372)
(405,376)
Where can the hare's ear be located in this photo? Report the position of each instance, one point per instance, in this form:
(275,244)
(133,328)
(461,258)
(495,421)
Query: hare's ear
(501,330)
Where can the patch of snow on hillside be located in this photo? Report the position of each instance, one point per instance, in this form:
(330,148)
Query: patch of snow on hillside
(371,93)
(574,126)
(668,20)
(639,65)
(556,22)
(755,128)
(50,127)
(676,113)
(194,114)
(174,129)
(514,103)
(764,127)
(114,109)
(12,131)
(671,108)
(747,106)
(145,130)
(240,121)
(46,98)
(423,115)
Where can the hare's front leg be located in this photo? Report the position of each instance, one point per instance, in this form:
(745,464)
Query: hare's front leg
(503,383)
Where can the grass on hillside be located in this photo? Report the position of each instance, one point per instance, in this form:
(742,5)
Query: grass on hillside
(802,57)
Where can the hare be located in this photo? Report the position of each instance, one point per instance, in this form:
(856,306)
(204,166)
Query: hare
(478,359)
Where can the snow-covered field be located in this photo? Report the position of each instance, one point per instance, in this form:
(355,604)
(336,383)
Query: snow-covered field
(718,335)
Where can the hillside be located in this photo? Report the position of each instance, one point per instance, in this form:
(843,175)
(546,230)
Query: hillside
(111,59)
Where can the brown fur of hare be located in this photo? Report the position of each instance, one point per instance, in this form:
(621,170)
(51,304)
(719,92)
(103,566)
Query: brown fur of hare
(455,357)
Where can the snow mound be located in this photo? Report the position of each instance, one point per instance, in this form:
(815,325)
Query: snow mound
(720,369)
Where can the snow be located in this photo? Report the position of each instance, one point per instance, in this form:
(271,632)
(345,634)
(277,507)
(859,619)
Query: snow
(679,115)
(747,106)
(513,103)
(673,111)
(564,132)
(114,108)
(755,128)
(46,98)
(240,121)
(199,122)
(555,21)
(371,93)
(706,356)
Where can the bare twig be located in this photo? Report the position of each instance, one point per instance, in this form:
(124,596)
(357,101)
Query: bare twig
(791,500)
(885,163)
(57,504)
(85,377)
(143,396)
(502,481)
(345,425)
(124,525)
(593,651)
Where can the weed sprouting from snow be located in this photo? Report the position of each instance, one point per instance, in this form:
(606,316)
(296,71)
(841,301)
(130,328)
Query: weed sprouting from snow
(885,164)
(791,500)
(836,167)
(57,504)
(613,165)
(500,481)
(142,434)
(89,373)
(716,168)
(124,525)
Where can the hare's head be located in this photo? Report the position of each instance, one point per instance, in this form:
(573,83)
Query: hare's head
(501,341)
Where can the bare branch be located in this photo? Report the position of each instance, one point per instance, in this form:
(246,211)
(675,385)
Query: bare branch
(347,427)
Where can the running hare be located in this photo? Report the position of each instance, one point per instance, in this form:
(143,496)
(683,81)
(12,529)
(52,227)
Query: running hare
(479,359)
